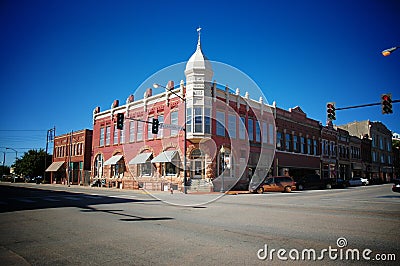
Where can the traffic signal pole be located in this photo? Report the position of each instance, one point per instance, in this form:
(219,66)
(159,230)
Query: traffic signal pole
(362,105)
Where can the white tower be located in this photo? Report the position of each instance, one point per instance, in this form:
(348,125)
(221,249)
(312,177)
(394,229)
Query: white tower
(199,75)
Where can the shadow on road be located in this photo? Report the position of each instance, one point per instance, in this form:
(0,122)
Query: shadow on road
(133,218)
(21,199)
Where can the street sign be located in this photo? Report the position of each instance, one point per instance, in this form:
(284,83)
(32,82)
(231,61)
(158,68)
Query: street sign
(162,125)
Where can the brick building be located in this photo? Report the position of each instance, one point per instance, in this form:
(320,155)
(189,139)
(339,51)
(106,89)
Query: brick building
(381,167)
(329,137)
(297,144)
(229,137)
(72,158)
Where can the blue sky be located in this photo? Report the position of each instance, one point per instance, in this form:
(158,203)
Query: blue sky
(60,59)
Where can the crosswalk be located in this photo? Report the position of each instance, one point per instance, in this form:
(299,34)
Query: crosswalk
(63,198)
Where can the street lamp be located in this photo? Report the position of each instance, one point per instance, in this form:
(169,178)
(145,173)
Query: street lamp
(222,152)
(156,85)
(389,51)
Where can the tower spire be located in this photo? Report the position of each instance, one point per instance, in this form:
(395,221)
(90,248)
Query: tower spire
(198,41)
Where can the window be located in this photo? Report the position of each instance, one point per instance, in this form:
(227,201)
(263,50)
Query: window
(198,120)
(309,149)
(139,134)
(132,131)
(388,146)
(101,143)
(207,120)
(380,143)
(174,121)
(264,133)
(251,129)
(98,166)
(302,145)
(170,169)
(295,143)
(242,128)
(315,147)
(232,126)
(115,141)
(271,134)
(145,168)
(279,141)
(189,119)
(288,139)
(258,132)
(122,135)
(108,135)
(220,123)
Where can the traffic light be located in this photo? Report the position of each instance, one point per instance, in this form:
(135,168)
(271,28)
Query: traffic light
(120,121)
(386,103)
(331,111)
(154,127)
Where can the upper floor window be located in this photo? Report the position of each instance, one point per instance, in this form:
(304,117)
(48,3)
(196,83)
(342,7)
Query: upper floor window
(207,120)
(220,123)
(108,135)
(198,119)
(101,143)
(160,129)
(288,141)
(251,129)
(302,145)
(139,134)
(115,141)
(174,121)
(232,126)
(258,131)
(242,128)
(132,131)
(271,134)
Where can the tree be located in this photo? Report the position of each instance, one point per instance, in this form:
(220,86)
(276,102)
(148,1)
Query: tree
(31,163)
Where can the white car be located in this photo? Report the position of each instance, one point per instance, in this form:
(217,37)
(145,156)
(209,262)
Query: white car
(365,181)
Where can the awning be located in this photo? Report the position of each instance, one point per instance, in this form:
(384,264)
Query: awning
(164,157)
(113,160)
(54,166)
(141,158)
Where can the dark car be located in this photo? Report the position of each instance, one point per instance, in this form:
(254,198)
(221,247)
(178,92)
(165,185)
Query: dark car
(396,185)
(314,181)
(276,184)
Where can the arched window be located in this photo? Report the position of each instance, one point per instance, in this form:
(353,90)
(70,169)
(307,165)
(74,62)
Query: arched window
(98,166)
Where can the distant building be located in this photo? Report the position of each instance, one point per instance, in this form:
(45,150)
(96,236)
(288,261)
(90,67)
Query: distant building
(72,158)
(381,166)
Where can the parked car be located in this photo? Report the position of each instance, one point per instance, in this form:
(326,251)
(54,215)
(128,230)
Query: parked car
(355,181)
(365,181)
(276,184)
(314,181)
(396,185)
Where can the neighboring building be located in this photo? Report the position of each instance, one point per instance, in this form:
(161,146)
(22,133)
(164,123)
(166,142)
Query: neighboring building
(297,144)
(329,137)
(355,157)
(72,158)
(344,154)
(381,168)
(229,137)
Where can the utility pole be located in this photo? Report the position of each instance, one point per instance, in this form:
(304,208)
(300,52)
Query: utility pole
(51,133)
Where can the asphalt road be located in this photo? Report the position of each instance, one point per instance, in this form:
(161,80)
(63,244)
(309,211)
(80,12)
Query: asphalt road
(57,225)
